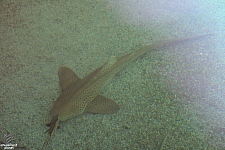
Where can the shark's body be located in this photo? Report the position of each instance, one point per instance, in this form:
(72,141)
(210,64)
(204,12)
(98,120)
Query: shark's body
(82,95)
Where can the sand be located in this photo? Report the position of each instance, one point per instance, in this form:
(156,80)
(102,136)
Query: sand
(177,90)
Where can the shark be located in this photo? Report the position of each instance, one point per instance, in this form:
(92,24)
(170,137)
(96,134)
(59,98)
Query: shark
(79,96)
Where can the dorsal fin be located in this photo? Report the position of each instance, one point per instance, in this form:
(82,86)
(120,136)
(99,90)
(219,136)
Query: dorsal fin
(66,77)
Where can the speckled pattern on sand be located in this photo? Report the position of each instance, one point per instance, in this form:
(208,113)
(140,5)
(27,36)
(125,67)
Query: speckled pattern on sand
(177,90)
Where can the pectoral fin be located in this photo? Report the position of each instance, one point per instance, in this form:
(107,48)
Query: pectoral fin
(102,105)
(66,77)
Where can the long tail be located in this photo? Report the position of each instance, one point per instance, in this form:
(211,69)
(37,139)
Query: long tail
(52,127)
(163,43)
(124,60)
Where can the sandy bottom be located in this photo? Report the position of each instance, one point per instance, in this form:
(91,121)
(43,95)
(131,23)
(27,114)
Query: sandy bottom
(177,91)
